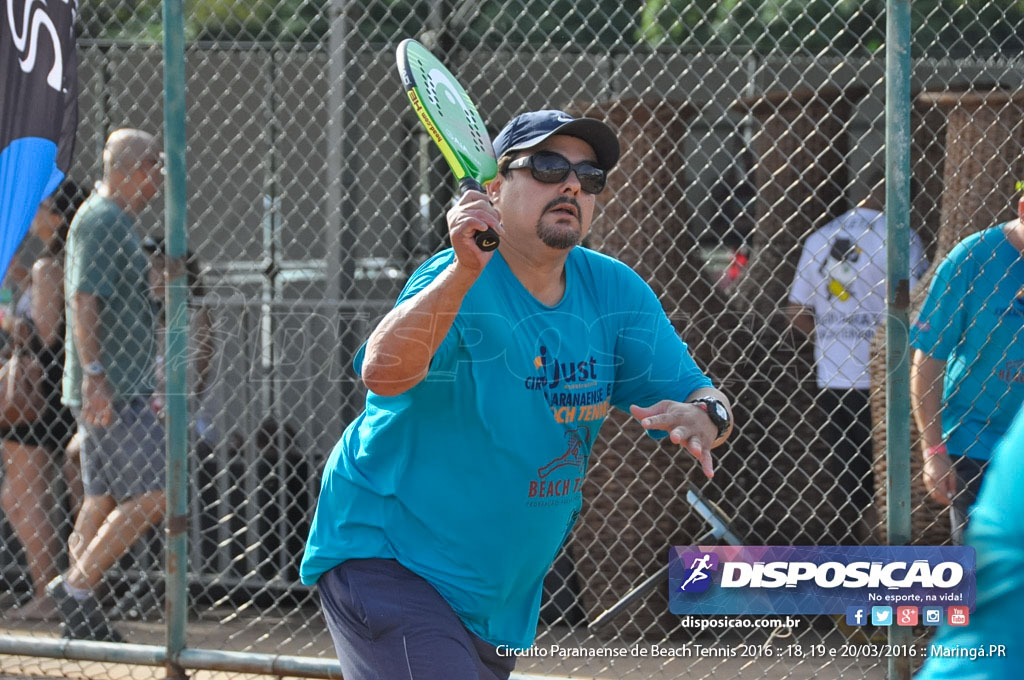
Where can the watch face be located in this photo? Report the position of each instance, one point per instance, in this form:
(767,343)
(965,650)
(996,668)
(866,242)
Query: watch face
(717,412)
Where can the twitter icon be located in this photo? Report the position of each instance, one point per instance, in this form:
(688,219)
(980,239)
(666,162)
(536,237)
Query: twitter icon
(881,616)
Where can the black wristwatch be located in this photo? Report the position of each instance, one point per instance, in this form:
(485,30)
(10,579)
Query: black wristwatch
(716,411)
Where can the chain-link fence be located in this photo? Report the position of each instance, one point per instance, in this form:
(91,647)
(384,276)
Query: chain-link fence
(749,196)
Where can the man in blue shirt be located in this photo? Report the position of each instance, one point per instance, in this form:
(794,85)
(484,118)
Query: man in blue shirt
(444,504)
(997,534)
(967,380)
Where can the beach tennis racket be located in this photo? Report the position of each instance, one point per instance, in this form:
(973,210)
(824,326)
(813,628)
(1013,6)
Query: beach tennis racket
(451,120)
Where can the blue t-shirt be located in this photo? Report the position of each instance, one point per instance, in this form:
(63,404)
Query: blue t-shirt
(996,532)
(973,319)
(472,479)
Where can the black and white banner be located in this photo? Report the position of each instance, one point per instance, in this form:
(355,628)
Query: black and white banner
(38,110)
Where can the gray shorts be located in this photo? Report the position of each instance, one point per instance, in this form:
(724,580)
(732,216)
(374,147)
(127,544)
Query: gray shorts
(127,458)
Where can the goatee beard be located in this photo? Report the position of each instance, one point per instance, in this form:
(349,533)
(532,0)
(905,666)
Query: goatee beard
(553,237)
(560,239)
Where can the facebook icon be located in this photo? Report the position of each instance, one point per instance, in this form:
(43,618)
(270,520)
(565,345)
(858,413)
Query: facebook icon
(856,616)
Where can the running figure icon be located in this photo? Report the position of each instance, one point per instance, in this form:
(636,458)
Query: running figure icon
(698,570)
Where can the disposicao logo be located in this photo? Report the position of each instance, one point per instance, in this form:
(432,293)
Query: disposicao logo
(698,574)
(818,579)
(839,575)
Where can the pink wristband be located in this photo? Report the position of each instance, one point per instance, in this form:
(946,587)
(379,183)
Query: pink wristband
(934,451)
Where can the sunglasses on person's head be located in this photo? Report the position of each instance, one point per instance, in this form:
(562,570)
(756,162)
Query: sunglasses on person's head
(551,168)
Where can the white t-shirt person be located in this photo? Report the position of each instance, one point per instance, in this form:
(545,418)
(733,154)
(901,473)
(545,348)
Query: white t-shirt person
(841,277)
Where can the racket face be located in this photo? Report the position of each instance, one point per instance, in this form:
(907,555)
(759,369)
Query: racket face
(447,113)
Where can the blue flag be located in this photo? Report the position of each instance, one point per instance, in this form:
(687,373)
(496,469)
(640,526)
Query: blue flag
(38,110)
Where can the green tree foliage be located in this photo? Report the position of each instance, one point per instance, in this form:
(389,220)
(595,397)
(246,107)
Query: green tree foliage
(257,20)
(380,21)
(562,24)
(559,24)
(940,27)
(790,26)
(217,20)
(959,28)
(135,20)
(231,19)
(672,22)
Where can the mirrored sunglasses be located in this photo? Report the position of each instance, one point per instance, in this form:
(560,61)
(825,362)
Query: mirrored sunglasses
(551,168)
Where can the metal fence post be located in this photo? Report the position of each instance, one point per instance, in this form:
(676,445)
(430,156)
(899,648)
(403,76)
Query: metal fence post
(177,330)
(897,208)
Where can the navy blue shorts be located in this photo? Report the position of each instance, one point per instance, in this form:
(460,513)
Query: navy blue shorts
(390,624)
(970,473)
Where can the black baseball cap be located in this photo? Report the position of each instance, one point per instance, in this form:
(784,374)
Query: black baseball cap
(530,129)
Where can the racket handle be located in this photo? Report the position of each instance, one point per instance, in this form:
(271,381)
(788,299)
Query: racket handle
(485,240)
